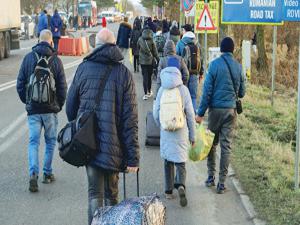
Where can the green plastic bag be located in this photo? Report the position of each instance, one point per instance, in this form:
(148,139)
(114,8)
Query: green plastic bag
(203,143)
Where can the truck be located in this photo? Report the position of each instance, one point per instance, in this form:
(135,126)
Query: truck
(87,9)
(10,23)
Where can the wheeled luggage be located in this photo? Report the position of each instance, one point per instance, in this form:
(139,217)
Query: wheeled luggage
(152,131)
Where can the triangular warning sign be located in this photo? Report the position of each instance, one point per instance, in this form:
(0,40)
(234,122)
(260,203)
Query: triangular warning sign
(205,22)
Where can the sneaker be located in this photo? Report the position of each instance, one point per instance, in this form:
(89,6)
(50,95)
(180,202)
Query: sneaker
(145,97)
(150,94)
(33,183)
(210,182)
(221,188)
(169,196)
(183,200)
(47,179)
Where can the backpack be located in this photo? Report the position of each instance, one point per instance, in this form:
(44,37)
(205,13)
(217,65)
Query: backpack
(191,56)
(171,110)
(41,86)
(160,42)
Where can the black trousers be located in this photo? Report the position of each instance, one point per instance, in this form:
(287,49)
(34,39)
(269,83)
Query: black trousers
(147,71)
(136,63)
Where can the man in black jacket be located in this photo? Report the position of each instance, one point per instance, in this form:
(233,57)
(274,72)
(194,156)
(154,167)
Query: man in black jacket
(117,118)
(41,114)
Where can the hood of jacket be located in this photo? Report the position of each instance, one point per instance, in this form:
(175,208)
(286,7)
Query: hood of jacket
(107,53)
(44,48)
(126,24)
(170,78)
(170,48)
(56,16)
(189,35)
(147,34)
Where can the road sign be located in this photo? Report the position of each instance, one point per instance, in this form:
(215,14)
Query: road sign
(187,5)
(252,11)
(205,22)
(291,10)
(213,9)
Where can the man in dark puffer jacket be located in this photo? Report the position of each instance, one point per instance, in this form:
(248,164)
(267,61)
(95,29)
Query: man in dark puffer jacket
(41,115)
(117,118)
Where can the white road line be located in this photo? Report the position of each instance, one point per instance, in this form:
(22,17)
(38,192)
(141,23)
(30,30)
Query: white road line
(16,123)
(13,83)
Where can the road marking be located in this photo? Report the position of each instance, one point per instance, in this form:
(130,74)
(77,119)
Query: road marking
(13,83)
(6,131)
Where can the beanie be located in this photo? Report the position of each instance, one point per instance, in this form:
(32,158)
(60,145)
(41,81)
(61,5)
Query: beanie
(227,45)
(173,62)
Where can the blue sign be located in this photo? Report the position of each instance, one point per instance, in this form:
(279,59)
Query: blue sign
(252,11)
(291,10)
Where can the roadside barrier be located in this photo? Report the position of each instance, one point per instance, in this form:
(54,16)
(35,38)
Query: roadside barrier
(79,50)
(67,46)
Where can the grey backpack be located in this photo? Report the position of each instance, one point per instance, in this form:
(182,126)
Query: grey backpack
(41,86)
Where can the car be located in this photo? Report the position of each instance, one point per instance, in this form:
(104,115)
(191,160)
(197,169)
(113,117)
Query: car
(24,20)
(109,16)
(117,16)
(99,19)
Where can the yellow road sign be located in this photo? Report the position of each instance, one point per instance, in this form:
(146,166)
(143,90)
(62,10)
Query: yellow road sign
(214,8)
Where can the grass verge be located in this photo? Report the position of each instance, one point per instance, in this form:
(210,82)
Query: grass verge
(263,155)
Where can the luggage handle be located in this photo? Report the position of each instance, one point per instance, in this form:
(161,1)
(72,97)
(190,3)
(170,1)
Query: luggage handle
(137,183)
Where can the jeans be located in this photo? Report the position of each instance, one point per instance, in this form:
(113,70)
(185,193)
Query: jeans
(222,123)
(102,185)
(193,84)
(172,181)
(56,41)
(36,123)
(147,71)
(136,63)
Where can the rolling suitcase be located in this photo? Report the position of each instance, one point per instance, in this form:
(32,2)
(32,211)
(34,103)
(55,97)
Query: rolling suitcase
(152,131)
(146,210)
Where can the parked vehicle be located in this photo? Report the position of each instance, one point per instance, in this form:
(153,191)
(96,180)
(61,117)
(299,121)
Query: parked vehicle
(10,24)
(117,16)
(27,19)
(88,9)
(109,16)
(99,19)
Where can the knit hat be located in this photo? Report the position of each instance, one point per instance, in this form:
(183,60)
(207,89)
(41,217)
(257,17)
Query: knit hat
(227,45)
(173,62)
(187,27)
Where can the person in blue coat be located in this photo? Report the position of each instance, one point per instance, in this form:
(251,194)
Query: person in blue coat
(117,118)
(124,34)
(56,25)
(42,22)
(220,93)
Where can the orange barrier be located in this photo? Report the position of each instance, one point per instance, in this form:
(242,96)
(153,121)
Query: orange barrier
(84,47)
(87,43)
(67,46)
(79,50)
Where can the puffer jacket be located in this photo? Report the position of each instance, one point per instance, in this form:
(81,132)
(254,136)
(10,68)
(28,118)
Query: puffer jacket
(146,56)
(56,66)
(218,89)
(135,35)
(43,22)
(188,37)
(56,23)
(117,114)
(174,145)
(124,33)
(169,51)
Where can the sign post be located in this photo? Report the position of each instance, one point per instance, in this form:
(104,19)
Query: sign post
(274,63)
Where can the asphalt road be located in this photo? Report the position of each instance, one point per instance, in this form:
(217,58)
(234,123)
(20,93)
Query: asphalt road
(64,202)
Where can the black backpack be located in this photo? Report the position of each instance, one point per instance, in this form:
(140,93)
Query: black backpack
(41,86)
(191,56)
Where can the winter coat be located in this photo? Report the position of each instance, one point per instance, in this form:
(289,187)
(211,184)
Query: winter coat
(124,35)
(56,23)
(146,56)
(117,114)
(218,89)
(135,35)
(103,22)
(188,37)
(56,66)
(169,51)
(150,24)
(174,35)
(174,145)
(43,22)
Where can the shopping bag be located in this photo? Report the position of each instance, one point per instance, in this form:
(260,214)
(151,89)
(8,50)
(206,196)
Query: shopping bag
(203,143)
(130,56)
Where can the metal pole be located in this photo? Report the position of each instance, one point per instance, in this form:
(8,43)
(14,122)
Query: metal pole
(274,62)
(298,127)
(205,44)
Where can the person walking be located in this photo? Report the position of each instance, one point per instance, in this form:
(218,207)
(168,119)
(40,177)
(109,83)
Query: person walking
(160,41)
(104,22)
(190,50)
(174,33)
(135,35)
(165,28)
(36,23)
(124,33)
(147,55)
(76,22)
(42,112)
(42,22)
(223,84)
(56,26)
(117,117)
(170,59)
(174,143)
